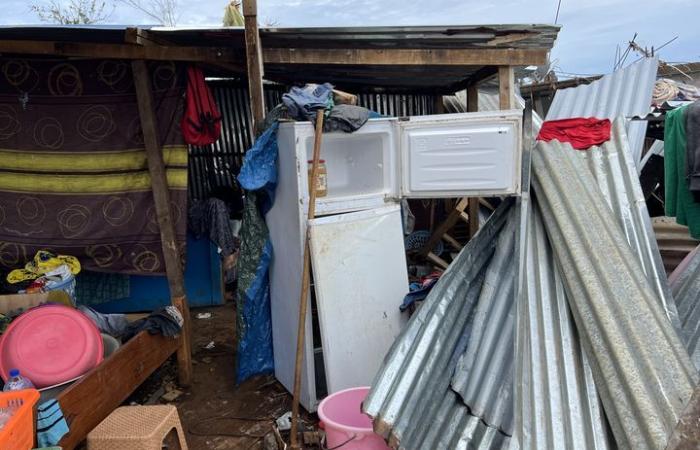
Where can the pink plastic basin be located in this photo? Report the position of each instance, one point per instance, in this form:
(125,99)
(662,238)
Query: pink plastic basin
(50,345)
(347,428)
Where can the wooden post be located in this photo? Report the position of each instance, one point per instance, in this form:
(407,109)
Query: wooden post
(161,197)
(438,105)
(506,87)
(473,106)
(305,282)
(254,59)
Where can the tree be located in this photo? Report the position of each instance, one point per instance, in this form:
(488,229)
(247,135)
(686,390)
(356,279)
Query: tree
(162,11)
(75,12)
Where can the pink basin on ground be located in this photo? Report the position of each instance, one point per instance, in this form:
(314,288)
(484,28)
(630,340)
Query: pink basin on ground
(347,428)
(49,345)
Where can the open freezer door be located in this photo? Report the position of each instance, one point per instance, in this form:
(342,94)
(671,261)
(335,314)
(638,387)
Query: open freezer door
(461,155)
(359,267)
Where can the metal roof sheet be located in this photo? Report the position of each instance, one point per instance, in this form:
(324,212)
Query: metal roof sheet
(626,92)
(640,366)
(411,398)
(686,291)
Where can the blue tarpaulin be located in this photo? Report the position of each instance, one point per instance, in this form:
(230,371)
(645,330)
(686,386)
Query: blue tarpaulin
(258,177)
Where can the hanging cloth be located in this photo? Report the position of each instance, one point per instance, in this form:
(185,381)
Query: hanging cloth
(581,133)
(201,123)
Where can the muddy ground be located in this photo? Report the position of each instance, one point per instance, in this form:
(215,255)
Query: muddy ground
(215,412)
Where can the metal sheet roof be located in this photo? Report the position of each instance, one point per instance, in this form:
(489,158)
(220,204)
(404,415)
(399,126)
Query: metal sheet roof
(411,399)
(556,401)
(626,92)
(641,369)
(686,291)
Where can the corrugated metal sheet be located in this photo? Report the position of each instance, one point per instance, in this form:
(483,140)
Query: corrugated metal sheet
(626,92)
(685,282)
(556,401)
(640,366)
(674,241)
(411,401)
(484,374)
(616,176)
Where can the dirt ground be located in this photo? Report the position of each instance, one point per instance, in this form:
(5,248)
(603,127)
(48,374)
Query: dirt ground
(215,412)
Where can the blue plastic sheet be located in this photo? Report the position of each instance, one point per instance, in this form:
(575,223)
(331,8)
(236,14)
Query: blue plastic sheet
(258,177)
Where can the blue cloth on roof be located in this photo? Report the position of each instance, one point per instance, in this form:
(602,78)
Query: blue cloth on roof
(302,102)
(51,426)
(258,177)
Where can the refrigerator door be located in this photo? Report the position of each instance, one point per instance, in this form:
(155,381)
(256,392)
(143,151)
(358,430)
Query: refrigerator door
(359,268)
(461,155)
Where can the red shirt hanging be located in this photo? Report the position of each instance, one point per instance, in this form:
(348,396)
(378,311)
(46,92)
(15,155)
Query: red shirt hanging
(581,133)
(201,122)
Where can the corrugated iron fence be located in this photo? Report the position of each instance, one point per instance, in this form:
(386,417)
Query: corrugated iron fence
(216,166)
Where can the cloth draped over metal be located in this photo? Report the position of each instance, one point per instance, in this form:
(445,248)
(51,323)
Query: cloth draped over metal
(626,92)
(73,170)
(254,323)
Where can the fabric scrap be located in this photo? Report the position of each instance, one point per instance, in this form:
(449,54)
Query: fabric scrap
(581,133)
(166,321)
(43,262)
(303,102)
(347,118)
(51,426)
(679,202)
(692,128)
(113,324)
(95,288)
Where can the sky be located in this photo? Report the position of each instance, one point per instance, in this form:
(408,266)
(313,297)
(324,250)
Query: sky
(591,29)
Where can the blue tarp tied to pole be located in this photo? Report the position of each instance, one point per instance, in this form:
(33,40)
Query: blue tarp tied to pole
(258,177)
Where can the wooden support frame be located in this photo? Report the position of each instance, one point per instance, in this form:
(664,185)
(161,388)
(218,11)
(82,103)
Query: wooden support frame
(254,64)
(161,197)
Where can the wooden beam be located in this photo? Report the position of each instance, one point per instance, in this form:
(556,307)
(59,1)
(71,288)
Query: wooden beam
(477,77)
(444,227)
(438,105)
(253,50)
(506,87)
(409,57)
(120,51)
(472,98)
(91,399)
(161,197)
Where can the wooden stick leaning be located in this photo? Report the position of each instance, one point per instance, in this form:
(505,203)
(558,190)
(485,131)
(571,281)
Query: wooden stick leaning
(305,281)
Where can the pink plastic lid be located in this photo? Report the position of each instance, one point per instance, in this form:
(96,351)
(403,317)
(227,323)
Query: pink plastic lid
(49,345)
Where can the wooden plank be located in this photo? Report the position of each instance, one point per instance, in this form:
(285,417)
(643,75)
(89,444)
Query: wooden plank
(473,98)
(161,197)
(121,51)
(452,241)
(473,216)
(254,63)
(506,87)
(435,259)
(464,216)
(410,57)
(444,227)
(87,402)
(438,105)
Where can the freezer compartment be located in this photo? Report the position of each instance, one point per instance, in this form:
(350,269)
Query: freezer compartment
(360,167)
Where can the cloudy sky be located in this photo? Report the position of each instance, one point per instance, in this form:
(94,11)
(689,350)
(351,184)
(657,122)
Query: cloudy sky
(592,29)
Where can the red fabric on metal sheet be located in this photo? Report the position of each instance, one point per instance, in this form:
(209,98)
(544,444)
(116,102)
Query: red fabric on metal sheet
(581,133)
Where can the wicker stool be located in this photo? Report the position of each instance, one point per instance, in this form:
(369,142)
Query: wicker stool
(136,428)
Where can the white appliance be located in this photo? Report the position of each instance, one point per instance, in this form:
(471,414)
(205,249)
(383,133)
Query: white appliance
(358,258)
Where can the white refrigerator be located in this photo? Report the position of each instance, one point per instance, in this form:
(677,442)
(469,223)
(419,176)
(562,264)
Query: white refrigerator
(357,252)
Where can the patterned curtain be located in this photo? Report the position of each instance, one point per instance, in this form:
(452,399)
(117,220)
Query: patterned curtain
(73,171)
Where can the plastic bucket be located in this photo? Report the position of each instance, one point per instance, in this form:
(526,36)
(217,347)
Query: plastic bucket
(347,428)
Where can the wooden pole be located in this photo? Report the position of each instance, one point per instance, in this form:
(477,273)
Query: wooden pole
(473,106)
(161,197)
(305,281)
(254,59)
(506,87)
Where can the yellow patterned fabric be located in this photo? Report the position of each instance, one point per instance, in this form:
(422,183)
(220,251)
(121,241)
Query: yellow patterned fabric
(43,262)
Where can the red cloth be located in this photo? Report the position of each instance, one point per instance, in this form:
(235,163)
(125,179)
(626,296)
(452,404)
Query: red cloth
(201,122)
(581,133)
